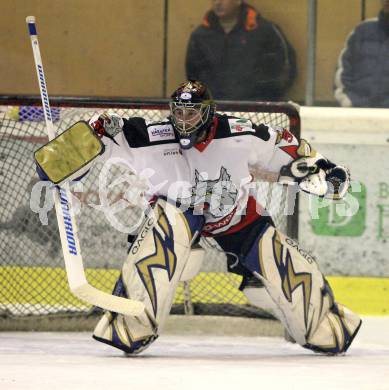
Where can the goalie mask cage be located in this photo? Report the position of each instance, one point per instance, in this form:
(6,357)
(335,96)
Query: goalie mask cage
(32,276)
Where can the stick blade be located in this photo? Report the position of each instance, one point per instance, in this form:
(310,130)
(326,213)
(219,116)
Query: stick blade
(109,302)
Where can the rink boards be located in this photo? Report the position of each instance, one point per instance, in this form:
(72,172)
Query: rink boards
(365,295)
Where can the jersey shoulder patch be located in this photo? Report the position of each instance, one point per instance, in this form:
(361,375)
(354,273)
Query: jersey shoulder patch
(240,125)
(230,126)
(139,133)
(283,136)
(286,142)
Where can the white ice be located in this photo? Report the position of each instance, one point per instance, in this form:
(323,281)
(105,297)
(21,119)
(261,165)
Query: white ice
(48,361)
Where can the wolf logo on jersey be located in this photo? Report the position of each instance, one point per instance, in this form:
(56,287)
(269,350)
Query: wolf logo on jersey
(216,197)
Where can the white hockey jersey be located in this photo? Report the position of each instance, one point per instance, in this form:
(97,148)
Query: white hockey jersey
(214,177)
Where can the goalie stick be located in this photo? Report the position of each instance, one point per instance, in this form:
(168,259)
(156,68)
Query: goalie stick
(66,219)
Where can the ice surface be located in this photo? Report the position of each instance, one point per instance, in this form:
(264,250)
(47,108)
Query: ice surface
(75,361)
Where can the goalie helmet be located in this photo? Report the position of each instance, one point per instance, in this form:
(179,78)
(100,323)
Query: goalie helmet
(192,111)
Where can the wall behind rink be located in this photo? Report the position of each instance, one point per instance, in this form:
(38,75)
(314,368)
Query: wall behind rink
(349,237)
(89,47)
(137,48)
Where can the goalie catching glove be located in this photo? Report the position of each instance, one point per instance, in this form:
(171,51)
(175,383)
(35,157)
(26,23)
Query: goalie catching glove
(315,174)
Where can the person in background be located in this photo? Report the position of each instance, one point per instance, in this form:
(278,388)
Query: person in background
(362,76)
(239,54)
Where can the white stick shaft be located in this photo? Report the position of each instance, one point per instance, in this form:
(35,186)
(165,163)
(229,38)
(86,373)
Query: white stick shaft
(62,199)
(66,219)
(41,76)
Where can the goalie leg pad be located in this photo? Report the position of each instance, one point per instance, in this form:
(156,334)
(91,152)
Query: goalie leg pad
(130,334)
(154,266)
(335,332)
(259,297)
(298,288)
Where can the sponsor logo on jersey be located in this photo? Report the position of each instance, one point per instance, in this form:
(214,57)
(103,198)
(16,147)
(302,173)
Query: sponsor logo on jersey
(209,227)
(172,152)
(240,126)
(160,133)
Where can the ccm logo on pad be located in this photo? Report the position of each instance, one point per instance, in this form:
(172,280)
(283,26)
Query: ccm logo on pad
(160,133)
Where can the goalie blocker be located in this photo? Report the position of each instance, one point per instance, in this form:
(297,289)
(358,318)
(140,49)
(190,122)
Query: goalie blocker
(160,257)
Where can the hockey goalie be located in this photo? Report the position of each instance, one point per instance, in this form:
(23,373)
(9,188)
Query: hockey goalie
(214,156)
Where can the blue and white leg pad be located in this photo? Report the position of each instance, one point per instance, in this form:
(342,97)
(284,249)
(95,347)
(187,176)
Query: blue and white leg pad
(299,290)
(154,266)
(130,334)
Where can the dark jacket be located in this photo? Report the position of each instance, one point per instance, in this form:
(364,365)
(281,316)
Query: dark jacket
(254,61)
(362,77)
